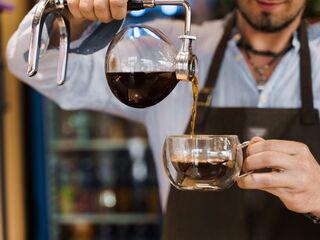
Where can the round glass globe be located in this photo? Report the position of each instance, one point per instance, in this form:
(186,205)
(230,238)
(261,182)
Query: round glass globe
(140,66)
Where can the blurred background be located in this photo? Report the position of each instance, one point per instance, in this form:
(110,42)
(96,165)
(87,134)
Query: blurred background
(79,175)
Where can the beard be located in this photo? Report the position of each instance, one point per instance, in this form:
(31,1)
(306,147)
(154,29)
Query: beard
(265,21)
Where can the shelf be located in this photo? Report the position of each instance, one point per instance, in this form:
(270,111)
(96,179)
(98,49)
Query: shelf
(111,218)
(67,145)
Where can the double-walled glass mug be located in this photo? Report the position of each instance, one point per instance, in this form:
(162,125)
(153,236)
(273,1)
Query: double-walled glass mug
(203,162)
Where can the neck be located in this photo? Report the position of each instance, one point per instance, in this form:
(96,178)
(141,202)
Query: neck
(262,41)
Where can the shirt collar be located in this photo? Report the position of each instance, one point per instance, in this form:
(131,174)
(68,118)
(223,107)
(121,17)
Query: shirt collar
(235,37)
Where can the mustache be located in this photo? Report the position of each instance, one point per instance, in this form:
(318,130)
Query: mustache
(269,1)
(263,23)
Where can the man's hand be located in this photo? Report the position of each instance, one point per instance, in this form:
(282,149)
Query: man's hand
(102,10)
(295,178)
(85,11)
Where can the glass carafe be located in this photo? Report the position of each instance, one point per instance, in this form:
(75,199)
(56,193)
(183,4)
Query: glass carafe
(140,66)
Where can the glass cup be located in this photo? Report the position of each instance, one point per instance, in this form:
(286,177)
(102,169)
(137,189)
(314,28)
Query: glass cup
(203,162)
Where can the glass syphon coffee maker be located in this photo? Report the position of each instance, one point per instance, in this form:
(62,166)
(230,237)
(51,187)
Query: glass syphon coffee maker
(142,66)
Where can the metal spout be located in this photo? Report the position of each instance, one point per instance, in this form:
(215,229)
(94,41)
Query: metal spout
(186,61)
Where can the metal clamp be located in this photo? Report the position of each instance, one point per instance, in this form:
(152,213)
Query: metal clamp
(44,8)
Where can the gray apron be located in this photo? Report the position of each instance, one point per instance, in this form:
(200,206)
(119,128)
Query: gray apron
(236,214)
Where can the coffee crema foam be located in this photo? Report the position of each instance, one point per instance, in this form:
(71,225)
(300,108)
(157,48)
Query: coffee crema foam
(203,169)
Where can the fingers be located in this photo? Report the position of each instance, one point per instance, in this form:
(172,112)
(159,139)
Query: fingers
(118,8)
(267,181)
(102,10)
(269,159)
(87,9)
(256,139)
(73,6)
(287,147)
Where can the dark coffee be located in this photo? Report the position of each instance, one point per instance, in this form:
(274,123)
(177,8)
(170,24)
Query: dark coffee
(141,89)
(215,169)
(195,93)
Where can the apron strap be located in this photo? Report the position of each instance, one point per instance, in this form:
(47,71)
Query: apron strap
(309,115)
(205,94)
(204,98)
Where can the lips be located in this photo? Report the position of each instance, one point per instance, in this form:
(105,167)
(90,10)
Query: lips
(269,5)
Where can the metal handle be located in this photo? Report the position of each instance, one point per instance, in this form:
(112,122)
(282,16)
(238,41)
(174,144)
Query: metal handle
(44,8)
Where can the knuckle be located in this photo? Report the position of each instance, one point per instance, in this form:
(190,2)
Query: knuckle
(304,148)
(118,16)
(105,19)
(118,9)
(87,10)
(86,6)
(102,11)
(73,6)
(101,6)
(103,16)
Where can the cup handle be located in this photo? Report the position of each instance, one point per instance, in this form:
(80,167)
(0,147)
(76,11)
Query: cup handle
(241,146)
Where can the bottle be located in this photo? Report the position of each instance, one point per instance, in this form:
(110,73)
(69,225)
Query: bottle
(139,172)
(88,184)
(106,173)
(124,191)
(67,192)
(153,200)
(82,231)
(106,232)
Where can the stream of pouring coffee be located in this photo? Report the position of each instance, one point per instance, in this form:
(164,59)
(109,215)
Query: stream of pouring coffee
(195,93)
